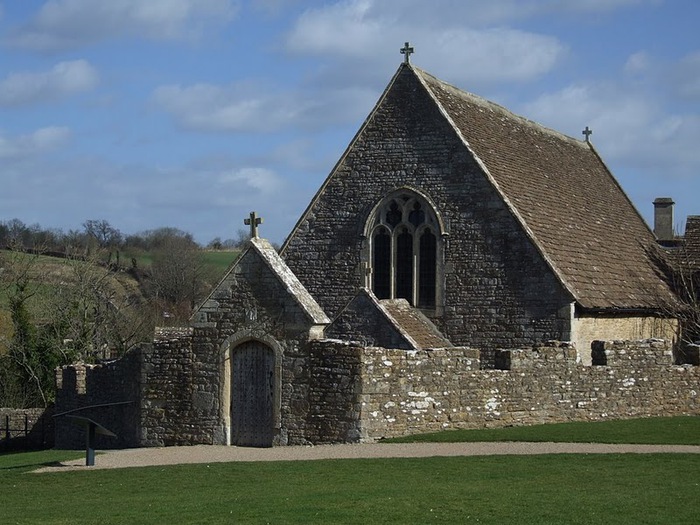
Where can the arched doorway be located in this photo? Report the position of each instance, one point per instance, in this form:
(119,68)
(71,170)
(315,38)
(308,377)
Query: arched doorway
(252,394)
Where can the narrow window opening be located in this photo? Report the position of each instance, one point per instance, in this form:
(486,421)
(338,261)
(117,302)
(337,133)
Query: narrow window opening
(381,264)
(404,266)
(427,265)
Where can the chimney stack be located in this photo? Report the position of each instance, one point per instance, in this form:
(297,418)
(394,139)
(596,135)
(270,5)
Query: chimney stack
(663,218)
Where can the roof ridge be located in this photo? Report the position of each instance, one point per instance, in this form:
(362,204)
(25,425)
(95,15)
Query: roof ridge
(495,106)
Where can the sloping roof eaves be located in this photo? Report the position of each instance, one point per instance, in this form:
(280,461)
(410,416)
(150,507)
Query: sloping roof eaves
(416,326)
(297,290)
(566,199)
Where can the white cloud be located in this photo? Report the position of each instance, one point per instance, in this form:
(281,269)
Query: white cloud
(65,24)
(247,107)
(65,78)
(594,6)
(628,126)
(371,35)
(40,141)
(494,55)
(341,29)
(637,63)
(262,180)
(238,107)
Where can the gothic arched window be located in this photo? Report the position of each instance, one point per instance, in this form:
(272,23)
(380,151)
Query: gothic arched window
(404,249)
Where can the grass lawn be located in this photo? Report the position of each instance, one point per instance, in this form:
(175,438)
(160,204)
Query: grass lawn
(590,489)
(683,430)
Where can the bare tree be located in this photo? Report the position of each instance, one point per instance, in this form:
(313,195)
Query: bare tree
(681,270)
(95,312)
(89,313)
(178,274)
(106,236)
(27,367)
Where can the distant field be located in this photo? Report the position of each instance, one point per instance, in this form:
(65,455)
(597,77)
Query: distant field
(47,272)
(682,430)
(220,259)
(215,259)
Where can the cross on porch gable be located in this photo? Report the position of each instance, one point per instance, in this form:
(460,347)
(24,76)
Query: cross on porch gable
(254,221)
(587,132)
(406,50)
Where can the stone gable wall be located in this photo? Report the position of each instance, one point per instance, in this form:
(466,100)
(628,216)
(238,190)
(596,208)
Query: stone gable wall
(362,318)
(252,303)
(498,290)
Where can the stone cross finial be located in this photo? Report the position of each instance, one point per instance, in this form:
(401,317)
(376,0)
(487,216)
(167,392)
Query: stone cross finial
(406,50)
(587,132)
(254,221)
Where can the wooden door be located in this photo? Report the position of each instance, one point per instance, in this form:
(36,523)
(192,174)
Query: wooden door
(252,395)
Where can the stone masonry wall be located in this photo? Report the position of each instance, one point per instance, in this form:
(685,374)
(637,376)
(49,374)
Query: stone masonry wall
(335,380)
(179,399)
(26,428)
(498,291)
(412,392)
(99,386)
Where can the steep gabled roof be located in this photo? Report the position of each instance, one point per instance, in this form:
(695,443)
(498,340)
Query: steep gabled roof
(307,303)
(390,323)
(417,326)
(564,196)
(269,256)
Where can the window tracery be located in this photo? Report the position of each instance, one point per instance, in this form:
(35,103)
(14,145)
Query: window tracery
(405,245)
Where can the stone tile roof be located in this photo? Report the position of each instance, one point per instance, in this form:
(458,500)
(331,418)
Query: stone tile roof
(389,323)
(566,199)
(417,326)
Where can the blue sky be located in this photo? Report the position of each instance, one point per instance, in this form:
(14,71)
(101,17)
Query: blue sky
(192,113)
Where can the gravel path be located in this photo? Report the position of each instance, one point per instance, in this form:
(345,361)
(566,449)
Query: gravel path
(141,457)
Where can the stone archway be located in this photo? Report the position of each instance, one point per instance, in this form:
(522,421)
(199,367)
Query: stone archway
(253,395)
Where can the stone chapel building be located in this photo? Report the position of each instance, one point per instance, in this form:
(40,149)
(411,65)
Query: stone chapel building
(499,230)
(449,243)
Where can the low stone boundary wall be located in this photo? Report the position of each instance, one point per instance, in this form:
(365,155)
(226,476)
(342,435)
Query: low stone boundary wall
(26,428)
(358,393)
(411,392)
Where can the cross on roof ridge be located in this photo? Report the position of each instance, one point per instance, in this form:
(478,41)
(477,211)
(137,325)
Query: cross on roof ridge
(406,50)
(587,132)
(253,221)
